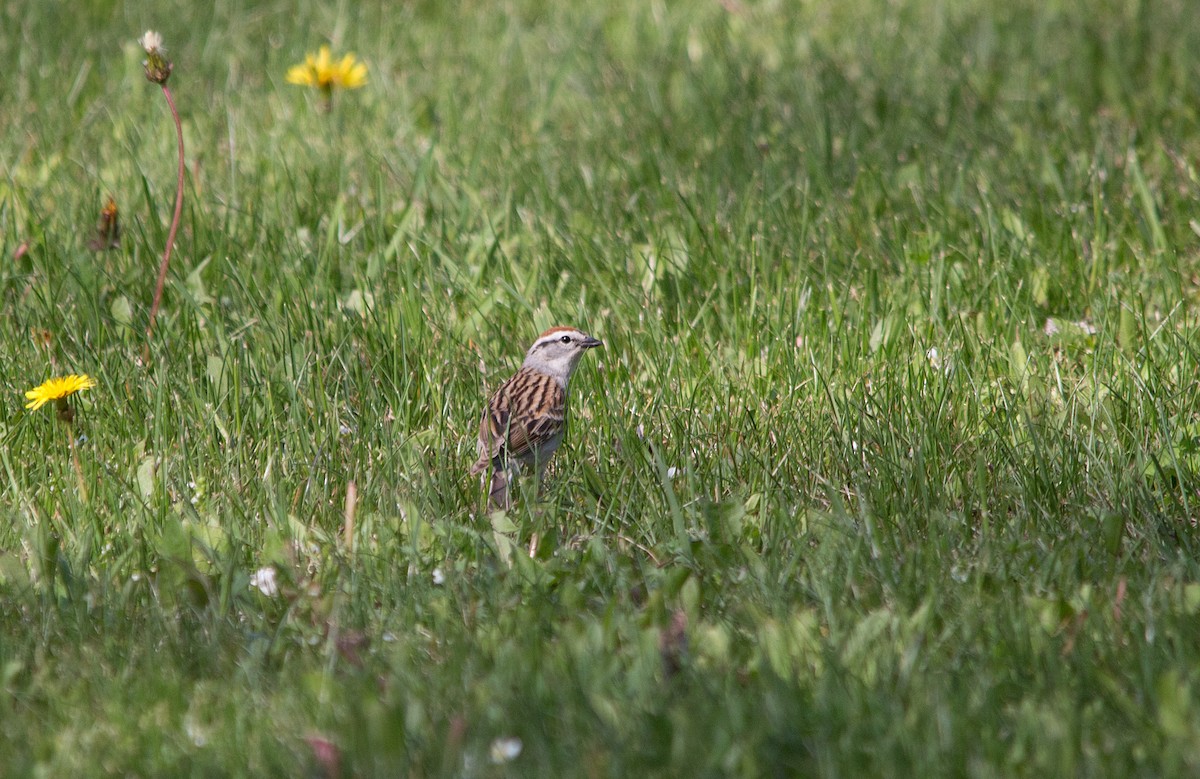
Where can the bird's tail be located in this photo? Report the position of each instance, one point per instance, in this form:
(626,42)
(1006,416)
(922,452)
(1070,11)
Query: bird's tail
(498,489)
(497,482)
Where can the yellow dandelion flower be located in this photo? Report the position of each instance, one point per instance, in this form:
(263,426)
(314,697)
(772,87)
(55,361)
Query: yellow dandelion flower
(322,71)
(57,389)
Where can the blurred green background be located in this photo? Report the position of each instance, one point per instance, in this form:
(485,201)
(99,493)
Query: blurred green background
(888,466)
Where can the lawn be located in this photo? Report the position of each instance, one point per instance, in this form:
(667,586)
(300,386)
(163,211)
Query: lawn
(890,464)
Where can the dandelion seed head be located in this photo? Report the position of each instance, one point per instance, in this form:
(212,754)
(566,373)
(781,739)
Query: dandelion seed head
(151,42)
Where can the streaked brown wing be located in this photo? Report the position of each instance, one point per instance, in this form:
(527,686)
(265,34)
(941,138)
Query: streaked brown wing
(525,411)
(540,429)
(509,434)
(496,426)
(539,416)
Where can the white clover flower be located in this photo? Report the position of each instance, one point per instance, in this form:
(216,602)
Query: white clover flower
(264,581)
(439,576)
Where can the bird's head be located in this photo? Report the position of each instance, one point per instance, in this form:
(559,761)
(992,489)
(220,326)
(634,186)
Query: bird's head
(557,351)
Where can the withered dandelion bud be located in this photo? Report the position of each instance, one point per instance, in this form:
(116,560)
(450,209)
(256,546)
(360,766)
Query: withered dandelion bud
(108,231)
(157,66)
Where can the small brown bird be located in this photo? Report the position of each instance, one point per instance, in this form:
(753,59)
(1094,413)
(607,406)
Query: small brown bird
(524,420)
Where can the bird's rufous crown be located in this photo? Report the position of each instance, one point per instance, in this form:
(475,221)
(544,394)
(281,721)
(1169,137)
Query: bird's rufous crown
(558,329)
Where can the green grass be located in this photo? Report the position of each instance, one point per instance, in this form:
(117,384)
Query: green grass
(979,560)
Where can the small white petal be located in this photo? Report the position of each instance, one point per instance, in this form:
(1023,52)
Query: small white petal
(264,581)
(195,731)
(672,472)
(439,576)
(505,750)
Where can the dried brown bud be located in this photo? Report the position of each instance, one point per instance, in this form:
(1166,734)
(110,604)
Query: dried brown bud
(108,231)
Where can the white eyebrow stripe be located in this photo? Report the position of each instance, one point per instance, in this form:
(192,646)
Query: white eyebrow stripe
(557,336)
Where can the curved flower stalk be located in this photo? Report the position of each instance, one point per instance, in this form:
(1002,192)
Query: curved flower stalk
(158,69)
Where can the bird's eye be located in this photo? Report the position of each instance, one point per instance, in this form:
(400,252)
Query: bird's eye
(565,339)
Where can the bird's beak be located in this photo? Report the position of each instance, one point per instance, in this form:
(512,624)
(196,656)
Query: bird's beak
(591,343)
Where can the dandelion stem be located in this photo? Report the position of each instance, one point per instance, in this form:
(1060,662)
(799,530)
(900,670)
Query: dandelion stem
(166,260)
(75,460)
(348,518)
